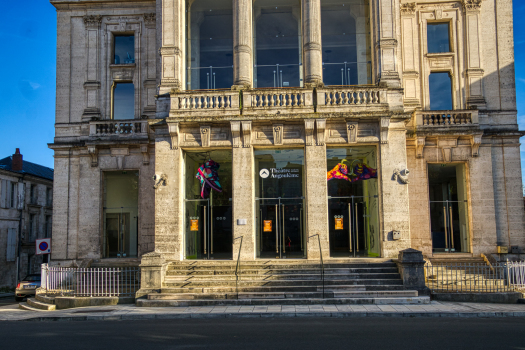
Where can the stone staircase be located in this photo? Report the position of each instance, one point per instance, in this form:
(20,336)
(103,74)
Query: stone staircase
(295,282)
(39,303)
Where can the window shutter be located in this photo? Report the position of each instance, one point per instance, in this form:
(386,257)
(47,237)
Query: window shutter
(11,244)
(3,194)
(20,196)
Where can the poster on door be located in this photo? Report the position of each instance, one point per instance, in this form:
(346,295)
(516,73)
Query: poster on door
(267,225)
(194,225)
(339,223)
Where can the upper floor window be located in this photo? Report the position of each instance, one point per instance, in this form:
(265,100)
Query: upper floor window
(124,49)
(33,194)
(210,44)
(346,42)
(49,197)
(438,37)
(440,91)
(49,226)
(32,229)
(278,54)
(123,101)
(12,195)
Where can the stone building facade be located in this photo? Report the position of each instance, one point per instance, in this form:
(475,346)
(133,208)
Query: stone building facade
(26,214)
(375,125)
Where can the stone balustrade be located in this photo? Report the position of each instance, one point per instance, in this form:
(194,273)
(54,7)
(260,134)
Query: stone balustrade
(344,99)
(204,103)
(447,118)
(118,127)
(278,101)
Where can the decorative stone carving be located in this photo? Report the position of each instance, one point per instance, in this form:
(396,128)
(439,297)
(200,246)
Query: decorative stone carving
(93,21)
(144,149)
(160,180)
(472,5)
(446,152)
(420,146)
(247,134)
(205,136)
(278,134)
(401,176)
(150,18)
(309,125)
(321,127)
(408,9)
(173,129)
(385,123)
(351,131)
(236,134)
(475,142)
(93,153)
(120,154)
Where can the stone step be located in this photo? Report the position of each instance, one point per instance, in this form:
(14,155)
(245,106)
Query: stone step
(40,305)
(291,277)
(281,289)
(211,272)
(244,266)
(45,299)
(284,301)
(25,306)
(288,282)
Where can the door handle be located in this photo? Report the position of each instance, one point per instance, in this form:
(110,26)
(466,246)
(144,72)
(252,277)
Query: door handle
(276,229)
(356,230)
(350,225)
(283,220)
(204,229)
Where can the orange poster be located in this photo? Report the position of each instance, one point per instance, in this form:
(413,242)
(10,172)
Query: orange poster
(194,225)
(267,225)
(339,224)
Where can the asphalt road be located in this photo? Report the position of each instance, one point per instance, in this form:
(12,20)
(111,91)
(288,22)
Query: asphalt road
(271,333)
(8,301)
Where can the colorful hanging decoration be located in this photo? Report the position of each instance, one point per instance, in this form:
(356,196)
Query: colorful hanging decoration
(209,177)
(358,172)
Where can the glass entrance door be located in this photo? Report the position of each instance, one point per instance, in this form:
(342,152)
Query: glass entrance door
(353,202)
(280,204)
(208,212)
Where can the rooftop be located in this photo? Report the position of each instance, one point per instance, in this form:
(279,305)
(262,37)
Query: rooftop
(28,168)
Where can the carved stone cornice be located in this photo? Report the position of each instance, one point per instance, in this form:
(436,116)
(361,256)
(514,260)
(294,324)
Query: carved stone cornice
(389,42)
(150,19)
(472,5)
(93,21)
(408,9)
(309,125)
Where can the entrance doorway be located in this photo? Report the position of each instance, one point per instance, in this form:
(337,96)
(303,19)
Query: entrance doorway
(353,202)
(280,204)
(208,210)
(448,208)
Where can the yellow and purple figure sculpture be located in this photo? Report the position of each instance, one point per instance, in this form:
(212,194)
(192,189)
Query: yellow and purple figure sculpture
(358,172)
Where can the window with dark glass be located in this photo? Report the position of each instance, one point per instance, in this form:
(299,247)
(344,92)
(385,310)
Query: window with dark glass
(49,197)
(32,230)
(49,225)
(124,101)
(440,91)
(346,42)
(124,49)
(438,37)
(210,44)
(33,194)
(277,56)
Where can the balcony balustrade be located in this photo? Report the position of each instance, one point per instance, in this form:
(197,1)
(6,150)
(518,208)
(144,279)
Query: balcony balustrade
(205,103)
(121,128)
(350,99)
(278,101)
(447,119)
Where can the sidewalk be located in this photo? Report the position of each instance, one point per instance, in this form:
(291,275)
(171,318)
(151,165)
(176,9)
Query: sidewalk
(132,312)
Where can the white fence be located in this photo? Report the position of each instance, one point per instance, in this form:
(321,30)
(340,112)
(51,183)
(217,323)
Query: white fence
(516,274)
(91,282)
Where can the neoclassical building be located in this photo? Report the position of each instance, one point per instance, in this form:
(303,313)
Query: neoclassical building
(185,127)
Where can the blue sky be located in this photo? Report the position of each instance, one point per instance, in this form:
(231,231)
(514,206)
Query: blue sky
(27,92)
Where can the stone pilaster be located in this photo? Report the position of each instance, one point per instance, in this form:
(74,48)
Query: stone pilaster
(317,202)
(313,58)
(386,45)
(172,49)
(243,199)
(242,43)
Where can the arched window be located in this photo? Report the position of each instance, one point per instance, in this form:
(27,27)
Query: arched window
(277,56)
(440,91)
(345,28)
(210,44)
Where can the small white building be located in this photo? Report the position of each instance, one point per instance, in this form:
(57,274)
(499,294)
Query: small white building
(26,208)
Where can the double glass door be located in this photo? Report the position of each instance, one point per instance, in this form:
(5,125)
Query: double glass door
(208,211)
(279,204)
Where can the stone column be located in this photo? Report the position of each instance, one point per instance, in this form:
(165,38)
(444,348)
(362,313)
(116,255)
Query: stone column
(386,37)
(242,43)
(474,69)
(313,58)
(172,49)
(316,192)
(243,198)
(411,266)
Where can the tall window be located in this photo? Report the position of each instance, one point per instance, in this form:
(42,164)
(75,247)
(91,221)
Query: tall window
(124,49)
(346,42)
(49,197)
(33,194)
(12,197)
(32,231)
(123,101)
(277,57)
(210,44)
(438,37)
(440,90)
(49,225)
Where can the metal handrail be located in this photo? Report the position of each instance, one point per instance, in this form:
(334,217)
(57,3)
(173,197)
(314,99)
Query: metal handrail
(321,257)
(238,268)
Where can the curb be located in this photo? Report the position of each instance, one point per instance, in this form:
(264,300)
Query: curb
(272,315)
